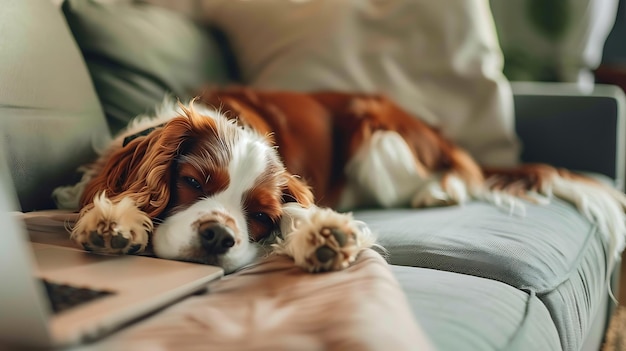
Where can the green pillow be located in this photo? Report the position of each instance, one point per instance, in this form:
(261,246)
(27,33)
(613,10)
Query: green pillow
(138,53)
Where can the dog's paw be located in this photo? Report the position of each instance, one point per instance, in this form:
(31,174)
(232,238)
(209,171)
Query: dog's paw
(116,228)
(323,240)
(433,194)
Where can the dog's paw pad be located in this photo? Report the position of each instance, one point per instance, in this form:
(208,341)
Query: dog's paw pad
(113,228)
(119,242)
(340,237)
(325,254)
(96,239)
(108,238)
(133,249)
(331,248)
(320,239)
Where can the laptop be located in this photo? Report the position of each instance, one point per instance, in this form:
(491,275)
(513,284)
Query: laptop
(53,296)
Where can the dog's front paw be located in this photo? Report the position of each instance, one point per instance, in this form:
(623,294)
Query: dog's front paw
(323,240)
(330,248)
(117,228)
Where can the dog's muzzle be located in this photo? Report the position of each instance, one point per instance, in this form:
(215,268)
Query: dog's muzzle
(216,238)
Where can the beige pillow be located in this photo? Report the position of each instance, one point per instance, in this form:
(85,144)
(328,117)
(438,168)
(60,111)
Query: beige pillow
(439,59)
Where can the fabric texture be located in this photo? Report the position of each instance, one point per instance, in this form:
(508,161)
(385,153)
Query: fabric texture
(50,118)
(462,312)
(440,60)
(273,305)
(138,53)
(551,252)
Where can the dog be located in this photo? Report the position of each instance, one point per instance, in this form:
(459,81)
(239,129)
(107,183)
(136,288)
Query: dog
(238,170)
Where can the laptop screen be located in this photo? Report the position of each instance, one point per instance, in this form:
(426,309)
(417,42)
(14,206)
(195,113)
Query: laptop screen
(23,311)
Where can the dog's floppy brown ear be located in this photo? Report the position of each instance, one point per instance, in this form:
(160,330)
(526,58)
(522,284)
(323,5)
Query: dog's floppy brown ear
(296,190)
(141,169)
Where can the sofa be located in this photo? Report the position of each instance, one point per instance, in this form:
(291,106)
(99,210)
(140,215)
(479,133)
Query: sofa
(469,277)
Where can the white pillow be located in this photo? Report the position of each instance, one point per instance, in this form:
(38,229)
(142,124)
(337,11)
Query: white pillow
(438,59)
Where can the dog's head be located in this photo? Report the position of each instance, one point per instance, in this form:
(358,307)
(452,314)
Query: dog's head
(214,188)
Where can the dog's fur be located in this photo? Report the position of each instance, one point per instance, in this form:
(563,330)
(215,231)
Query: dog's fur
(213,180)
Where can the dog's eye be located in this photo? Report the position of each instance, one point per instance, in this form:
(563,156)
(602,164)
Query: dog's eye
(262,218)
(192,182)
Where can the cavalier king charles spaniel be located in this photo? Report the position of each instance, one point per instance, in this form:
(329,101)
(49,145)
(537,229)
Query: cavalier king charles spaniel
(239,170)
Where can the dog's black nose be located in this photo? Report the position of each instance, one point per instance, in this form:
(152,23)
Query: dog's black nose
(216,238)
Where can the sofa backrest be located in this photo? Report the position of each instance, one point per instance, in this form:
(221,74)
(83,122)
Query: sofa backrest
(137,54)
(50,117)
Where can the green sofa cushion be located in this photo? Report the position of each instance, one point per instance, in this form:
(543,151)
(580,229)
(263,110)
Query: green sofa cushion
(138,53)
(552,252)
(461,312)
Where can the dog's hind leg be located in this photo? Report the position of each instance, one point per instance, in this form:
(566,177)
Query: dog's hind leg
(396,160)
(386,172)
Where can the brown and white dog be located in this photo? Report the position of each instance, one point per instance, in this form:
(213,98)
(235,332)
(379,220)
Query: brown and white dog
(213,181)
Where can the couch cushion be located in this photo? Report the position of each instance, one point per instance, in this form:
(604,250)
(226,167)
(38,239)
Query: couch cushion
(138,53)
(440,60)
(50,115)
(461,312)
(552,252)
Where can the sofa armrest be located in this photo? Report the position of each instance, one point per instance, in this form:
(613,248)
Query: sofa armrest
(559,124)
(50,117)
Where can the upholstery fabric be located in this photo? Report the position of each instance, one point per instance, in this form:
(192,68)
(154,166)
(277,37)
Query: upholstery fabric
(138,53)
(551,252)
(438,59)
(50,118)
(462,312)
(274,305)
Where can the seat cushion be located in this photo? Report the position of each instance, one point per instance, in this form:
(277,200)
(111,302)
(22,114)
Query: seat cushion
(462,312)
(552,252)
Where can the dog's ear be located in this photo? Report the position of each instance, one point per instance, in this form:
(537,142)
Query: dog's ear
(142,168)
(296,190)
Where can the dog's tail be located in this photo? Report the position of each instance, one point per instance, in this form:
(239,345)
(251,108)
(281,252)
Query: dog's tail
(600,202)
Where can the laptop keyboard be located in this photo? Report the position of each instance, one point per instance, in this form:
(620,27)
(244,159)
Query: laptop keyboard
(63,297)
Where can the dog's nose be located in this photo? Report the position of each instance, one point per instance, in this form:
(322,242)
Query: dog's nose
(216,238)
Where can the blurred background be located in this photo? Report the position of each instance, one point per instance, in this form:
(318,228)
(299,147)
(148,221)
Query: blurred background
(613,67)
(562,40)
(582,41)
